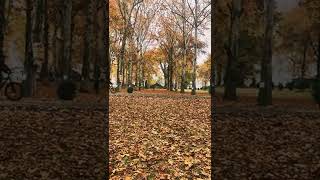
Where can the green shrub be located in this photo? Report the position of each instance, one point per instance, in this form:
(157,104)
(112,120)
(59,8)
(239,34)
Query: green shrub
(67,90)
(316,91)
(301,84)
(130,89)
(205,88)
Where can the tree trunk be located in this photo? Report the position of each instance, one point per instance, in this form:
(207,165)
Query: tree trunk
(130,72)
(304,59)
(165,73)
(29,82)
(44,68)
(105,53)
(170,69)
(67,43)
(123,73)
(96,76)
(169,74)
(55,47)
(173,66)
(219,74)
(71,40)
(177,83)
(184,62)
(8,8)
(122,54)
(101,60)
(59,44)
(230,92)
(143,76)
(2,29)
(194,62)
(318,58)
(265,88)
(88,47)
(137,74)
(171,79)
(118,74)
(37,26)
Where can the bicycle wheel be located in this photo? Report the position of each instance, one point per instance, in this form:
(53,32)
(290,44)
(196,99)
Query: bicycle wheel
(13,91)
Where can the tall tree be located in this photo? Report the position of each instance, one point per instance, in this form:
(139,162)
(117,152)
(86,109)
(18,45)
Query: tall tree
(200,13)
(213,118)
(168,38)
(184,27)
(313,10)
(38,20)
(2,29)
(182,17)
(57,39)
(232,50)
(105,53)
(265,89)
(126,10)
(295,40)
(29,66)
(44,68)
(67,41)
(144,18)
(89,46)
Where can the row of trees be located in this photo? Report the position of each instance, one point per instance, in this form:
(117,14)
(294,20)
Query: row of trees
(148,36)
(300,38)
(244,35)
(249,33)
(151,36)
(56,28)
(2,29)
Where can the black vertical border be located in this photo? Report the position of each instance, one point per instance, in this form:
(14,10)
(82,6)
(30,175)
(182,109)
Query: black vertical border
(213,118)
(106,107)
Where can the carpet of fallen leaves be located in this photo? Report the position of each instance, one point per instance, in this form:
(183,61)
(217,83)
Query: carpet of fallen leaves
(50,143)
(268,145)
(159,138)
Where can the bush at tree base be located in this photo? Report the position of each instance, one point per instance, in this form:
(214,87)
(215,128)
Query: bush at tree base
(130,89)
(316,91)
(67,90)
(301,84)
(204,87)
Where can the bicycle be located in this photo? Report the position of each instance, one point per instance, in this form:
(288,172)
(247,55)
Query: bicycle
(13,90)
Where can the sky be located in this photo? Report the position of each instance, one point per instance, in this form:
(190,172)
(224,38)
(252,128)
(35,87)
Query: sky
(207,39)
(285,5)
